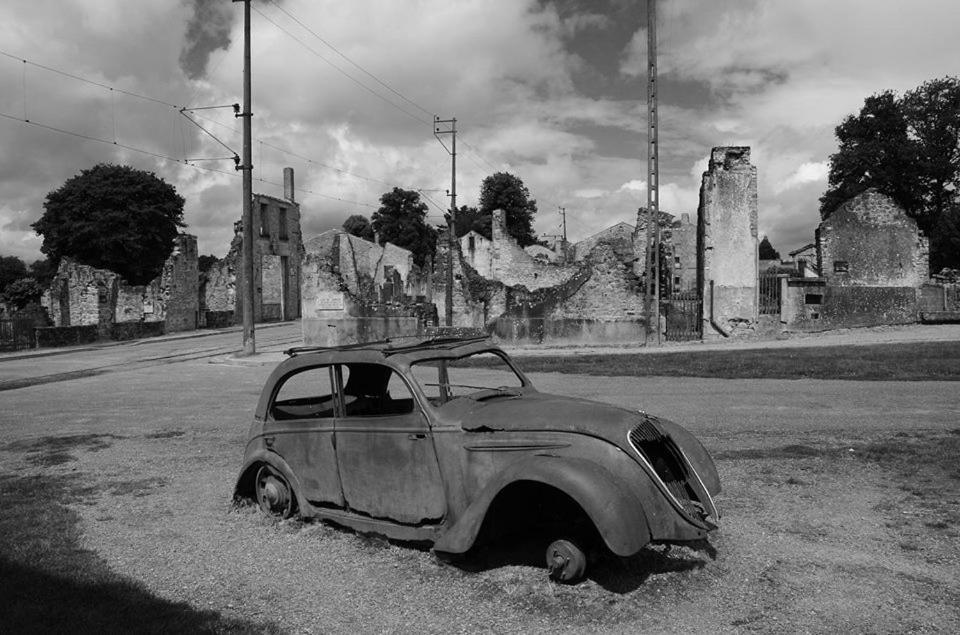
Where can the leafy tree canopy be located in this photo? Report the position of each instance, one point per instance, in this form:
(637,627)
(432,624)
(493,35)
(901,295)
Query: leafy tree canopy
(22,291)
(42,271)
(401,220)
(909,149)
(11,268)
(113,217)
(767,252)
(205,262)
(359,225)
(471,219)
(507,192)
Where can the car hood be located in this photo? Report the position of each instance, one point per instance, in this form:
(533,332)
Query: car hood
(534,411)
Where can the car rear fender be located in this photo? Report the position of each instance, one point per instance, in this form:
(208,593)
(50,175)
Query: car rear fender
(244,488)
(614,510)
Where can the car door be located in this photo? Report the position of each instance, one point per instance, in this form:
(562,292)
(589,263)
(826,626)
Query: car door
(300,427)
(388,464)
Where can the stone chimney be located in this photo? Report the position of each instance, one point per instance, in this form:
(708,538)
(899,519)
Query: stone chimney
(288,185)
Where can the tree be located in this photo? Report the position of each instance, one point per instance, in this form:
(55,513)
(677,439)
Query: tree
(206,262)
(471,219)
(359,225)
(875,151)
(909,149)
(767,252)
(113,217)
(507,192)
(23,291)
(11,268)
(401,221)
(42,271)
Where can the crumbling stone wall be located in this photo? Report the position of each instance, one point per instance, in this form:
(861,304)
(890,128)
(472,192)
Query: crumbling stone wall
(277,256)
(682,254)
(513,266)
(477,252)
(869,241)
(619,236)
(82,295)
(727,260)
(355,290)
(874,262)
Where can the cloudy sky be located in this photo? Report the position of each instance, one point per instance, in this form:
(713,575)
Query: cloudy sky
(345,93)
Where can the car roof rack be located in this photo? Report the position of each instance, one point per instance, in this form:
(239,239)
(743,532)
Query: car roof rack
(385,347)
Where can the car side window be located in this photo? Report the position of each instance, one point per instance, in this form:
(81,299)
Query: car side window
(374,390)
(305,394)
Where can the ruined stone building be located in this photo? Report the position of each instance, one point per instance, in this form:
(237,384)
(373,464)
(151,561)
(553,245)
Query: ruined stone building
(354,290)
(277,255)
(727,259)
(81,295)
(872,262)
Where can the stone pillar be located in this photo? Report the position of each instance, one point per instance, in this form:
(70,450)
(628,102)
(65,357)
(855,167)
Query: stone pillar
(727,260)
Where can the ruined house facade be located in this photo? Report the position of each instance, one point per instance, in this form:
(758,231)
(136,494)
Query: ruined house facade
(354,290)
(872,261)
(277,256)
(81,295)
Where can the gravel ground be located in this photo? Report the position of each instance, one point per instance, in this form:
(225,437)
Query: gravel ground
(813,538)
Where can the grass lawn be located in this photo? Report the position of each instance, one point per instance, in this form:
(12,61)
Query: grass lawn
(875,362)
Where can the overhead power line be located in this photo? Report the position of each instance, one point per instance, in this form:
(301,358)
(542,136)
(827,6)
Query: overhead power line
(166,157)
(354,64)
(340,70)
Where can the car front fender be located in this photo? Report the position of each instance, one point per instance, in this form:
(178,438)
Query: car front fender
(614,510)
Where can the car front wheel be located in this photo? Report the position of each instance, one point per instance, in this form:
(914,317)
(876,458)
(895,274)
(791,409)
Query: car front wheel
(566,561)
(274,494)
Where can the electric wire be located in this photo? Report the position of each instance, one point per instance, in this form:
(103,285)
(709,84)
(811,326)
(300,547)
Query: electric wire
(357,66)
(165,157)
(340,70)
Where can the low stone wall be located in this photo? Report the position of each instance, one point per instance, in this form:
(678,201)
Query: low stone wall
(66,335)
(219,319)
(849,307)
(352,330)
(134,330)
(568,331)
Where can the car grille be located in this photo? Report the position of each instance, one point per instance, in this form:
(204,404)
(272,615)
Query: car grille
(661,454)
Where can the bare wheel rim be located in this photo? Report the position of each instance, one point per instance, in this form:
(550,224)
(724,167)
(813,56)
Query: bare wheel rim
(273,493)
(566,561)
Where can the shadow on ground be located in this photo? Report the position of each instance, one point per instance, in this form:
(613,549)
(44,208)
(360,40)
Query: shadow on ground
(50,584)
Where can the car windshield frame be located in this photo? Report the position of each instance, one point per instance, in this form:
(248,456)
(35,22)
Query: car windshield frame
(442,363)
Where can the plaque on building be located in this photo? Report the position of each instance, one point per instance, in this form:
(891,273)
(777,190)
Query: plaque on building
(329,301)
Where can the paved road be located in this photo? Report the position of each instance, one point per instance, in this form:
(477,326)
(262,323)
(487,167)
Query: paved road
(30,368)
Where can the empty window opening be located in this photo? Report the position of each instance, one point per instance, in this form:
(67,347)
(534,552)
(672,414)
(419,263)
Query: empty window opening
(282,221)
(264,220)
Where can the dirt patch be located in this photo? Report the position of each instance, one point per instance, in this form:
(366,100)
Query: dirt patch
(50,451)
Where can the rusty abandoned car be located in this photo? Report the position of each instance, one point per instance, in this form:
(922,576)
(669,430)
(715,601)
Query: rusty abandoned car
(447,442)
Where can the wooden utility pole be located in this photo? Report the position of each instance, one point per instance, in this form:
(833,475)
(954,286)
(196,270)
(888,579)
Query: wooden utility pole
(247,288)
(653,180)
(439,129)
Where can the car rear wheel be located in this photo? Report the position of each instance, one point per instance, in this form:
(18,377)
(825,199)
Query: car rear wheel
(274,494)
(566,561)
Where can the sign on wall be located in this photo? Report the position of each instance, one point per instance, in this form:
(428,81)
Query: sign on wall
(329,301)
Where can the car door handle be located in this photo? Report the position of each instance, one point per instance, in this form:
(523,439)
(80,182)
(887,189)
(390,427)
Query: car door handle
(416,437)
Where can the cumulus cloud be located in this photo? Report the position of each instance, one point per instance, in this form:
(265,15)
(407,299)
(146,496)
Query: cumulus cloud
(775,76)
